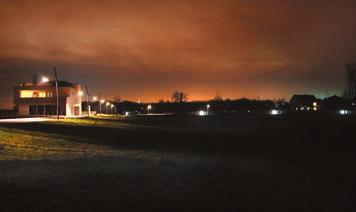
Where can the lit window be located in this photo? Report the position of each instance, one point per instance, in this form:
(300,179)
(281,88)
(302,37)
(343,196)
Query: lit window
(33,94)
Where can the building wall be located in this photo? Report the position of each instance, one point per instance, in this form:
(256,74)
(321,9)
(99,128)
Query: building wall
(73,101)
(23,110)
(68,100)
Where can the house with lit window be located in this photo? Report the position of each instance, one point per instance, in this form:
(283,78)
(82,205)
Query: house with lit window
(40,98)
(305,102)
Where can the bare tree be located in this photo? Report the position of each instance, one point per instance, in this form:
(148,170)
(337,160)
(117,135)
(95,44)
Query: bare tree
(179,96)
(218,98)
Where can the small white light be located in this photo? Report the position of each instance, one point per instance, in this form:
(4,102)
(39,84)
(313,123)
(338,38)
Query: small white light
(102,101)
(343,112)
(315,104)
(95,98)
(149,107)
(274,112)
(80,93)
(127,113)
(44,80)
(202,113)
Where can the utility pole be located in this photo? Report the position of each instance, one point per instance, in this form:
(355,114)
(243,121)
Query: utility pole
(99,103)
(88,105)
(56,78)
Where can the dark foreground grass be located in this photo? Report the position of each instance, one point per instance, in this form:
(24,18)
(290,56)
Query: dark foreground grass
(250,163)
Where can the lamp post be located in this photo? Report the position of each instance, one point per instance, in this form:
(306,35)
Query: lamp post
(107,107)
(101,102)
(57,90)
(207,109)
(149,107)
(112,108)
(95,99)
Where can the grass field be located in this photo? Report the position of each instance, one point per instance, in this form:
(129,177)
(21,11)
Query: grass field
(169,163)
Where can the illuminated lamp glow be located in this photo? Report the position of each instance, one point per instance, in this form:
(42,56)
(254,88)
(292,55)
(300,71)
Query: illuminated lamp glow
(127,113)
(44,80)
(343,112)
(80,93)
(202,113)
(274,112)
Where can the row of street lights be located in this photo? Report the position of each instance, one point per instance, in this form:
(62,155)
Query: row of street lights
(107,104)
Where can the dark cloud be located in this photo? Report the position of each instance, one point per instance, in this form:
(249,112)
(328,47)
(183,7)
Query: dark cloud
(145,49)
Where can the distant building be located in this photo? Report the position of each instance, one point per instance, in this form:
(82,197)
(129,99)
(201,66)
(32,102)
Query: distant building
(351,80)
(333,103)
(39,99)
(304,102)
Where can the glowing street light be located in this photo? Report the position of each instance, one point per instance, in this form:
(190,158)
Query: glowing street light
(101,102)
(274,112)
(149,107)
(315,106)
(45,79)
(112,107)
(344,112)
(202,113)
(107,107)
(95,98)
(80,93)
(207,109)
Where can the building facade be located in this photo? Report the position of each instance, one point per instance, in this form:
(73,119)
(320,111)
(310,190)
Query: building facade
(40,99)
(351,80)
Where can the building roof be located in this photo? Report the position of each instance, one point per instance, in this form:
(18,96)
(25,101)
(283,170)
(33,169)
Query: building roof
(303,99)
(48,84)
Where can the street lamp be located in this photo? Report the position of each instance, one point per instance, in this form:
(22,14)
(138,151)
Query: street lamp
(95,99)
(107,107)
(80,93)
(101,102)
(207,109)
(44,80)
(149,107)
(112,107)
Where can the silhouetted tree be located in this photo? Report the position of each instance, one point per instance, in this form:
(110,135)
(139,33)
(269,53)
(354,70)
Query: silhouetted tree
(179,96)
(218,98)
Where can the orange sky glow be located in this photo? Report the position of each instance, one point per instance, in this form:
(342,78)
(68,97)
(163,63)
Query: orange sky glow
(144,50)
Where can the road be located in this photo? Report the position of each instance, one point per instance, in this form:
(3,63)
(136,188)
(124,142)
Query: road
(25,120)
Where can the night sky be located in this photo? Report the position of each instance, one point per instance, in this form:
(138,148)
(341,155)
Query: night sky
(145,49)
